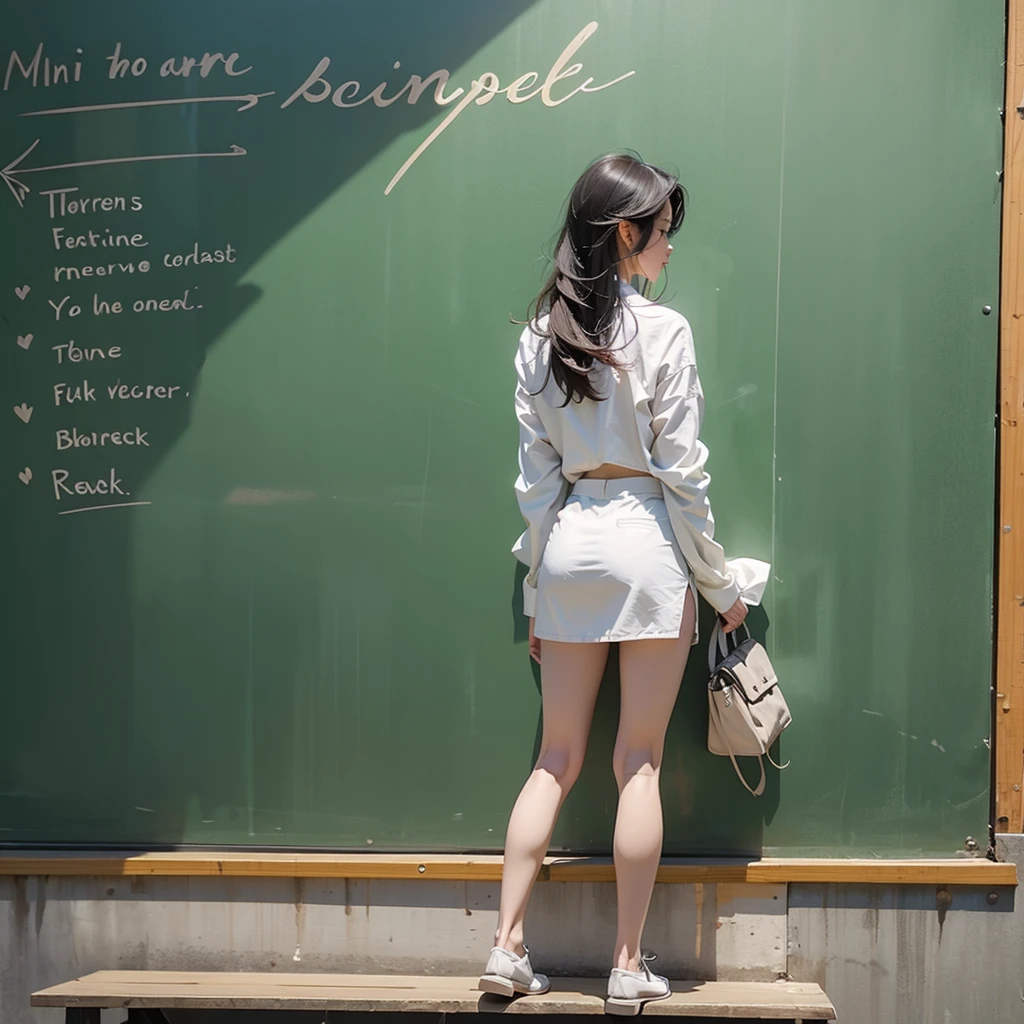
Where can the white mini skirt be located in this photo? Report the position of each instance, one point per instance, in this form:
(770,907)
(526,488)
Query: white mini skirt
(612,569)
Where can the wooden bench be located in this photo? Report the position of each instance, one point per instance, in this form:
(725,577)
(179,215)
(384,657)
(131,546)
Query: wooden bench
(146,994)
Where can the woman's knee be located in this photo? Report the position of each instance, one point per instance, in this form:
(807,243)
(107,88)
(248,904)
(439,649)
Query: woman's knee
(631,759)
(562,763)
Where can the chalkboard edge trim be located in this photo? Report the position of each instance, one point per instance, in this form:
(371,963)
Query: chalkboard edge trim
(767,871)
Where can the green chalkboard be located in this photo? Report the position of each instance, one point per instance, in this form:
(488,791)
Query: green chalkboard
(257,481)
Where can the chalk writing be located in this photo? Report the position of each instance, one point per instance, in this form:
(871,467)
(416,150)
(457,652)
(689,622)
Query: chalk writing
(53,72)
(113,307)
(316,88)
(108,484)
(74,438)
(61,273)
(196,256)
(61,206)
(73,353)
(559,85)
(68,394)
(126,392)
(105,239)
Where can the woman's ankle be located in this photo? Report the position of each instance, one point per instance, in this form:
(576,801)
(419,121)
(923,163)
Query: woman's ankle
(624,962)
(513,943)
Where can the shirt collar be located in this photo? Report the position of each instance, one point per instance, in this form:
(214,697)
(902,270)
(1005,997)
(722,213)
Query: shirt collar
(625,288)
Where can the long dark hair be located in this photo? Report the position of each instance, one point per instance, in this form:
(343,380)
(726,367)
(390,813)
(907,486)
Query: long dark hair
(582,295)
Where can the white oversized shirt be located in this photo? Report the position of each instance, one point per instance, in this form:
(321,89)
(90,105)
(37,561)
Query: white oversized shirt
(649,421)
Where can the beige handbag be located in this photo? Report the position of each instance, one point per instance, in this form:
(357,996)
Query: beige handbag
(746,706)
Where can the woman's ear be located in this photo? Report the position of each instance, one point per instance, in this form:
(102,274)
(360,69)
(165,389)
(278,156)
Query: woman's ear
(626,234)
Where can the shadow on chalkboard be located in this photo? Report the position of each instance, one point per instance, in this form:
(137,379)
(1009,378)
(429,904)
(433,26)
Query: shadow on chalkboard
(697,787)
(133,750)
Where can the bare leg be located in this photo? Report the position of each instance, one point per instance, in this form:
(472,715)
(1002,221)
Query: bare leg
(651,671)
(570,678)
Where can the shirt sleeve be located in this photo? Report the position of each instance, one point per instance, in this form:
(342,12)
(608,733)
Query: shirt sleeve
(541,489)
(677,460)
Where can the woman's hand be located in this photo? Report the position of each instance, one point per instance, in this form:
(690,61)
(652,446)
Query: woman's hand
(534,645)
(732,618)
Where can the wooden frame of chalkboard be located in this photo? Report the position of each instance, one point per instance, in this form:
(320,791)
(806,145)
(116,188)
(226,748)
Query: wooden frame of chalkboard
(1009,696)
(487,868)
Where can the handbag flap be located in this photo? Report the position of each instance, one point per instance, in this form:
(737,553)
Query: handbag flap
(749,669)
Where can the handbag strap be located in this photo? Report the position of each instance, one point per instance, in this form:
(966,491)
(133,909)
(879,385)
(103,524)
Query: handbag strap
(724,736)
(760,786)
(718,646)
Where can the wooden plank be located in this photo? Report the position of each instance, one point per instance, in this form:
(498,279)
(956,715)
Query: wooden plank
(1009,724)
(276,977)
(965,871)
(255,865)
(361,993)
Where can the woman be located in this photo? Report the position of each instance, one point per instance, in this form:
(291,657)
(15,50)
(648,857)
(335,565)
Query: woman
(614,492)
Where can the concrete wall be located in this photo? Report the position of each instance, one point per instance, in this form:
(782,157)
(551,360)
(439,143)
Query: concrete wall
(886,955)
(890,955)
(53,929)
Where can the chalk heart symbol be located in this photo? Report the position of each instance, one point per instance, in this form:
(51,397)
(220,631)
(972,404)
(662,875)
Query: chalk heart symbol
(24,340)
(25,476)
(22,291)
(23,412)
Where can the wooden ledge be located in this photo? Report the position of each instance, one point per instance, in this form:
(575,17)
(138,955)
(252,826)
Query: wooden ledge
(966,871)
(181,990)
(254,864)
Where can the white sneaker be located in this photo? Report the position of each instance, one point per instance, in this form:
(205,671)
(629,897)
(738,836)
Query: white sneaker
(507,975)
(629,990)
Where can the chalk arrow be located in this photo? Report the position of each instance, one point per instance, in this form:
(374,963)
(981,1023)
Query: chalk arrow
(18,189)
(13,171)
(248,101)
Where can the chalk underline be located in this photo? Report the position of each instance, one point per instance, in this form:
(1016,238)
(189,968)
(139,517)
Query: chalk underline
(247,99)
(96,508)
(235,151)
